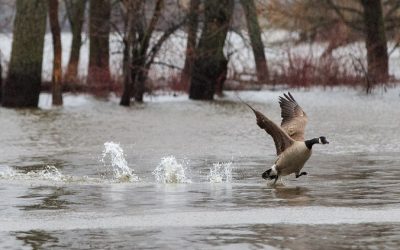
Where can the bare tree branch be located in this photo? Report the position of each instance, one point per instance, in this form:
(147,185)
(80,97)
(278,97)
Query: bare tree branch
(338,10)
(152,25)
(392,10)
(156,47)
(169,65)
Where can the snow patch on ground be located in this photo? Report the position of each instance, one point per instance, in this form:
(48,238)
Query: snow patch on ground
(173,53)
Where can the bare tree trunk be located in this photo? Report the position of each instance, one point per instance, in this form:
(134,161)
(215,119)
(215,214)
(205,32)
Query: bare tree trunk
(210,63)
(376,43)
(57,71)
(99,77)
(75,12)
(131,9)
(144,43)
(1,80)
(22,86)
(128,88)
(255,40)
(138,54)
(191,41)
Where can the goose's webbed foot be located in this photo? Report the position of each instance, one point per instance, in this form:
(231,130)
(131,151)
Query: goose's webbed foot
(302,173)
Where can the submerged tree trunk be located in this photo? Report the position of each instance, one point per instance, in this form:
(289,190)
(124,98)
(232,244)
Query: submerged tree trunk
(140,76)
(75,12)
(255,40)
(376,43)
(191,41)
(139,53)
(136,47)
(99,77)
(128,88)
(210,63)
(22,86)
(57,71)
(139,62)
(131,9)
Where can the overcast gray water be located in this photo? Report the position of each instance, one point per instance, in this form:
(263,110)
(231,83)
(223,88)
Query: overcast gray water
(178,174)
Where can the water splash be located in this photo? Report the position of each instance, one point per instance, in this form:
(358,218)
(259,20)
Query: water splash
(221,172)
(170,171)
(50,173)
(7,172)
(113,158)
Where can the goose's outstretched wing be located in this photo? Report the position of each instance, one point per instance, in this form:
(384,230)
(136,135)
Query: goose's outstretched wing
(294,119)
(281,138)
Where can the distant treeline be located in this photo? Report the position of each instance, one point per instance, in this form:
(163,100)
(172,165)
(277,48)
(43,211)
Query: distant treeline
(145,25)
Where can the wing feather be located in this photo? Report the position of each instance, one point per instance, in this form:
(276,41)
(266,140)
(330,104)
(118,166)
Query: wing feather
(281,139)
(294,119)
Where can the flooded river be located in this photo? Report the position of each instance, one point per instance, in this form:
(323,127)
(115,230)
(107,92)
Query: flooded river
(178,174)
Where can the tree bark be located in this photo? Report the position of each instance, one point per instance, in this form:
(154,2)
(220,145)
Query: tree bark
(75,13)
(1,80)
(131,12)
(126,59)
(210,64)
(139,61)
(191,41)
(128,88)
(57,71)
(375,41)
(255,40)
(99,77)
(22,86)
(135,56)
(139,53)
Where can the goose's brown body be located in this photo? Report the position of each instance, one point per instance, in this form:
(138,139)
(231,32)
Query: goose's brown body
(292,160)
(293,152)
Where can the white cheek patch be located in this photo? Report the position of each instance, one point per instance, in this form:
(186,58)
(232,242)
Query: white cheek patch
(319,141)
(273,170)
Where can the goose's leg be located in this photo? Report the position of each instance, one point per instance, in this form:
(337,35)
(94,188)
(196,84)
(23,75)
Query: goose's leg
(276,179)
(302,173)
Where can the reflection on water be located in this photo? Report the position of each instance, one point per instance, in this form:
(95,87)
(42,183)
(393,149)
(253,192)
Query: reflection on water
(302,237)
(37,239)
(359,169)
(295,196)
(46,198)
(306,237)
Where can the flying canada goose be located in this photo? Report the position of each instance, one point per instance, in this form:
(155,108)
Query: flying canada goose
(291,148)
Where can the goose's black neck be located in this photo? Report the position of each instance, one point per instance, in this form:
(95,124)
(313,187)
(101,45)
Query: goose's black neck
(310,143)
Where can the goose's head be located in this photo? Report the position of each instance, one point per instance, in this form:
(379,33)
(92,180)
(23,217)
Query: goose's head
(322,140)
(317,140)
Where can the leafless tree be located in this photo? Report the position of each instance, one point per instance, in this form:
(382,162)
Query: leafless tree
(99,76)
(257,45)
(210,64)
(23,83)
(139,52)
(56,79)
(192,27)
(75,13)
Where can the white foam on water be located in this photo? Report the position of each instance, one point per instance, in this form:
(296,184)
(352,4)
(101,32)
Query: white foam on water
(113,158)
(221,172)
(7,172)
(50,173)
(170,171)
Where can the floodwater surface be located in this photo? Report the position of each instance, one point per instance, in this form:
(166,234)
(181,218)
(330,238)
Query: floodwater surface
(173,174)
